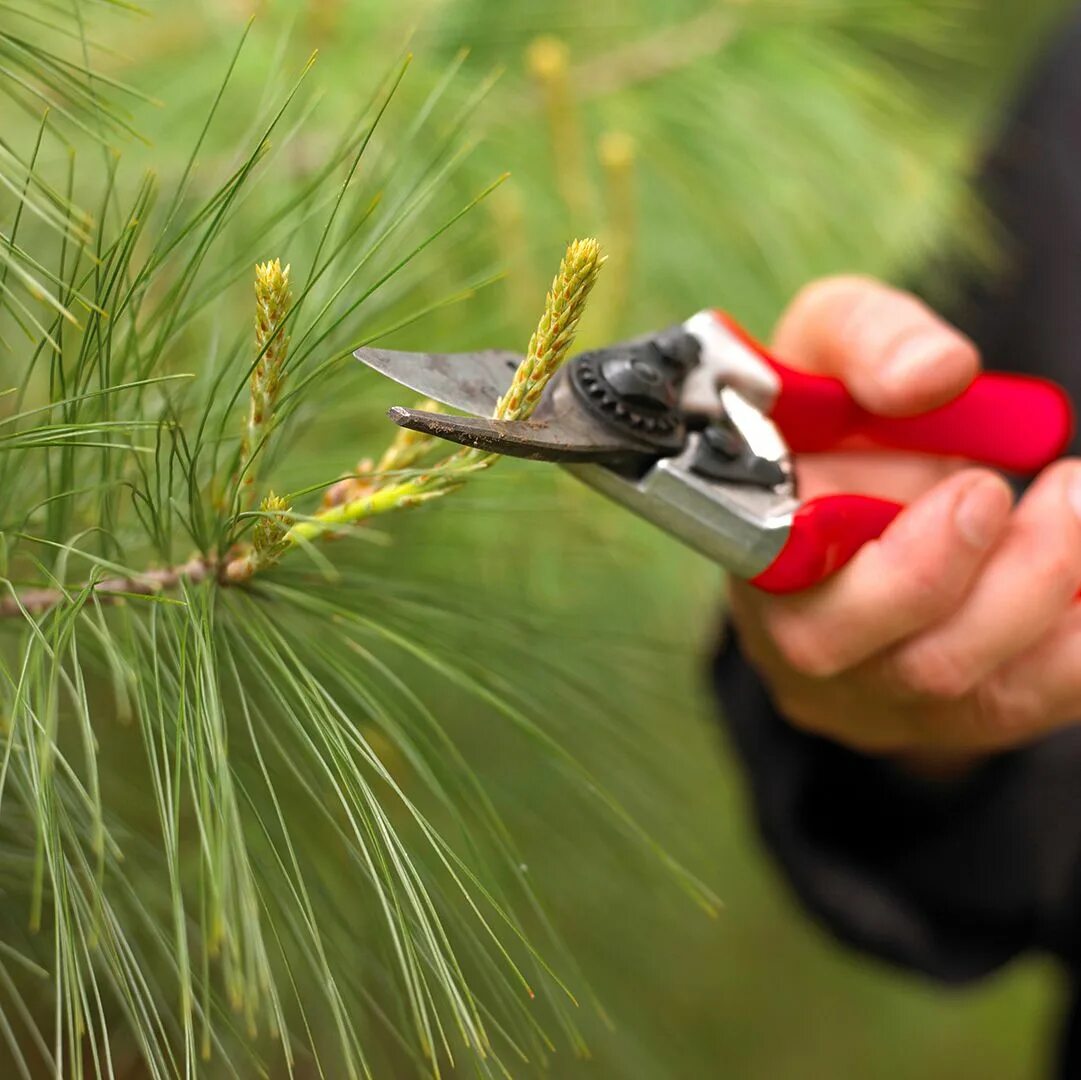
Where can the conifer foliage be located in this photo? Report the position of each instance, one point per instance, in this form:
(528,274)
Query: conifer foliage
(237,835)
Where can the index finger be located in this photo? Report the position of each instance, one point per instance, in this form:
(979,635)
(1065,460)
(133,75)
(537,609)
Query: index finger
(895,355)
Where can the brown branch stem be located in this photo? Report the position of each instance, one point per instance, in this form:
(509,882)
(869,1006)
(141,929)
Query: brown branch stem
(112,590)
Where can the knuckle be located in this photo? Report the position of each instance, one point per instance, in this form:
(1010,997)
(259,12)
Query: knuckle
(910,326)
(916,323)
(822,308)
(816,294)
(871,308)
(929,675)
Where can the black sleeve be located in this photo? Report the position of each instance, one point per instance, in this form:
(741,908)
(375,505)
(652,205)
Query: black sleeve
(948,879)
(952,879)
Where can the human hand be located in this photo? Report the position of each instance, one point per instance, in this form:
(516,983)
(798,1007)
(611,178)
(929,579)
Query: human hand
(957,633)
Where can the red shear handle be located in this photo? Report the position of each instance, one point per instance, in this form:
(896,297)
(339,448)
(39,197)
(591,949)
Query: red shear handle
(1012,422)
(826,532)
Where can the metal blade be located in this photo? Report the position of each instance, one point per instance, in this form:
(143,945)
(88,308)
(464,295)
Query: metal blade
(472,382)
(559,431)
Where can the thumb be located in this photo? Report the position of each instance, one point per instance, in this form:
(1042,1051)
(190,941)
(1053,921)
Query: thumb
(894,354)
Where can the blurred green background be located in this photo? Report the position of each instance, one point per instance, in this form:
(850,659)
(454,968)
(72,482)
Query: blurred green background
(725,153)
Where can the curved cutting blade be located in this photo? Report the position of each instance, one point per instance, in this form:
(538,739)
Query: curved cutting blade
(518,438)
(554,434)
(472,382)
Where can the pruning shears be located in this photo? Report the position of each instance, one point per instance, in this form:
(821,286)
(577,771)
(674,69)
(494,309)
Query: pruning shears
(694,428)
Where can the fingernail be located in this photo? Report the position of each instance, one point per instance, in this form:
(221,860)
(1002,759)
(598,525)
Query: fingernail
(981,511)
(913,359)
(1073,492)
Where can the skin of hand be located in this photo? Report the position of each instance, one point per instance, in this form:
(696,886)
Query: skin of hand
(958,632)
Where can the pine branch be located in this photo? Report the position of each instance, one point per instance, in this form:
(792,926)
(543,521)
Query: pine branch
(275,532)
(110,590)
